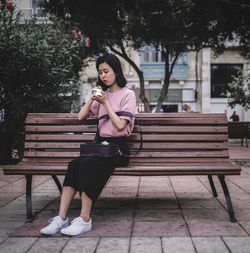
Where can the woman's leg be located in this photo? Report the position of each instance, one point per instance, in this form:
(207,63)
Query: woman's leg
(68,194)
(86,207)
(59,222)
(83,223)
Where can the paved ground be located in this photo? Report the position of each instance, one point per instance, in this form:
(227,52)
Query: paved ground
(133,214)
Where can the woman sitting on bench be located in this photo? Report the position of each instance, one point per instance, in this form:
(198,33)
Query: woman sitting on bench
(88,175)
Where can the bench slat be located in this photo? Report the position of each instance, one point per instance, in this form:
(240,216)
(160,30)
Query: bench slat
(133,160)
(146,145)
(138,115)
(143,129)
(153,170)
(139,120)
(149,154)
(133,137)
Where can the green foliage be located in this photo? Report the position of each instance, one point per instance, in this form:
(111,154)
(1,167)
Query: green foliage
(239,90)
(39,65)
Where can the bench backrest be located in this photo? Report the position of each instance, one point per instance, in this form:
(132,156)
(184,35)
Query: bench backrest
(167,137)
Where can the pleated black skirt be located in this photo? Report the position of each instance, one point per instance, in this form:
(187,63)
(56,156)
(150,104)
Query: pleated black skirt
(90,174)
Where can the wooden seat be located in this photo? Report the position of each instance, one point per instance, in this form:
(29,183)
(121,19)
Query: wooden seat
(173,144)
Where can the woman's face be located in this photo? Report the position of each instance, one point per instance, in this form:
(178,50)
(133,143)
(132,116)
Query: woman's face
(106,74)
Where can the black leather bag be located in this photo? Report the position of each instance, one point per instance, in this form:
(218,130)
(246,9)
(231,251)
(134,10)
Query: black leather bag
(99,149)
(104,149)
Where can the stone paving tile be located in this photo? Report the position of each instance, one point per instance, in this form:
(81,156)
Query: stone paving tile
(100,229)
(2,183)
(17,245)
(206,214)
(115,203)
(119,180)
(159,229)
(4,200)
(145,245)
(177,245)
(5,232)
(185,178)
(48,245)
(186,195)
(238,245)
(209,244)
(112,215)
(115,193)
(113,245)
(83,245)
(148,193)
(157,214)
(242,214)
(11,224)
(110,229)
(214,228)
(2,239)
(30,230)
(246,226)
(11,215)
(211,203)
(155,180)
(157,203)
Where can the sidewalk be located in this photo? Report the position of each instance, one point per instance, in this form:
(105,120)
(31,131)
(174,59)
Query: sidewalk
(134,214)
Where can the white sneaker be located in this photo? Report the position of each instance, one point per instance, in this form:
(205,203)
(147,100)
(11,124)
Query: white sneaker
(77,227)
(55,226)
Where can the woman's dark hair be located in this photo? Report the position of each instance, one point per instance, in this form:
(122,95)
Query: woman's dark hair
(115,64)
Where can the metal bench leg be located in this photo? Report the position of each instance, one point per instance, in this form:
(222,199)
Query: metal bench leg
(211,181)
(228,198)
(29,214)
(58,184)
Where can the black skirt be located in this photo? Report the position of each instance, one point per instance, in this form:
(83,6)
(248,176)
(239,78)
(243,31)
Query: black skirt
(90,174)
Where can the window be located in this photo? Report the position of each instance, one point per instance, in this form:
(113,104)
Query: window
(32,8)
(154,56)
(150,55)
(146,57)
(221,75)
(152,63)
(38,11)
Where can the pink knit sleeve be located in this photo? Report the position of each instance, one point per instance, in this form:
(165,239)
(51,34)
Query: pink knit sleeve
(94,109)
(128,104)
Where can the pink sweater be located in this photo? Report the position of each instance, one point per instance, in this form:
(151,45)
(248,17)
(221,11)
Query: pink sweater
(122,100)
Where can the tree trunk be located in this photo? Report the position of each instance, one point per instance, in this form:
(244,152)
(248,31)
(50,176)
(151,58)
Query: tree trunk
(142,95)
(168,73)
(197,88)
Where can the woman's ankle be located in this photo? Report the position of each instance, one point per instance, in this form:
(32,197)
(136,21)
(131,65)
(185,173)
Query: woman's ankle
(86,218)
(63,217)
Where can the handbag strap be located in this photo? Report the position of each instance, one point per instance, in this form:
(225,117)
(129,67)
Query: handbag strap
(120,113)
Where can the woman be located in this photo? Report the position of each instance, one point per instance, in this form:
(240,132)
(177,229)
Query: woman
(88,175)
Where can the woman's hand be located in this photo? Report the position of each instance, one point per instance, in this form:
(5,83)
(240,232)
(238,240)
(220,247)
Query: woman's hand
(100,99)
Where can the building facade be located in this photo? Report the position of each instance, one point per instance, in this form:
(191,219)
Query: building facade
(30,8)
(198,81)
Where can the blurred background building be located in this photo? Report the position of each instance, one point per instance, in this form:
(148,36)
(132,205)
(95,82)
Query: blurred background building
(199,81)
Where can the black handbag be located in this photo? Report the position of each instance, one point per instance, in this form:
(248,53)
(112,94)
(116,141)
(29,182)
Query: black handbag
(100,149)
(103,149)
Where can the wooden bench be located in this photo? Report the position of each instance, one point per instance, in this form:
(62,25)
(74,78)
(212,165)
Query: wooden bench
(173,144)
